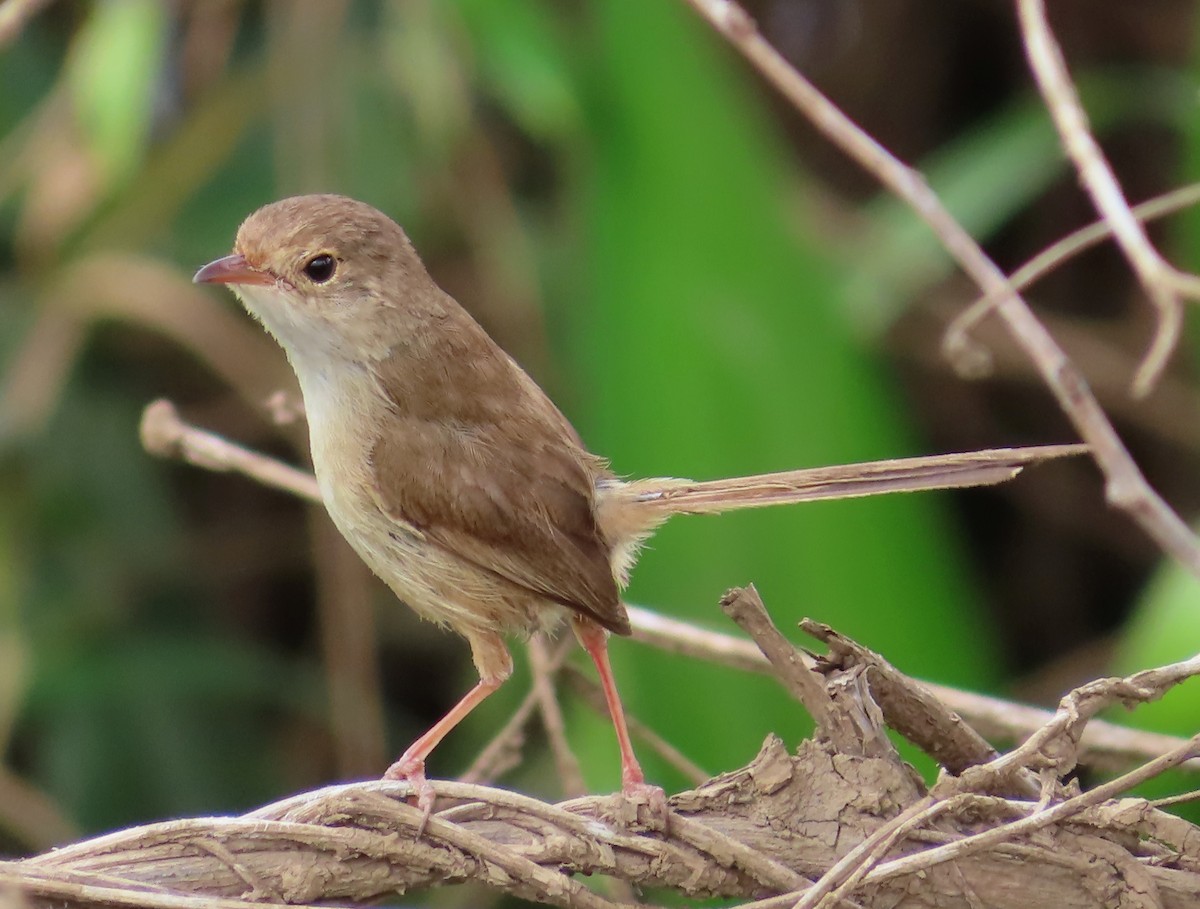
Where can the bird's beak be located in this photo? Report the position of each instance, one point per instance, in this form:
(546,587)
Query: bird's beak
(232,270)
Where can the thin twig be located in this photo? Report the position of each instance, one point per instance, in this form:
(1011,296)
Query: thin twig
(166,435)
(1104,745)
(589,690)
(1126,488)
(503,752)
(1054,746)
(1037,753)
(1037,821)
(544,666)
(1161,281)
(971,360)
(358,842)
(850,867)
(745,607)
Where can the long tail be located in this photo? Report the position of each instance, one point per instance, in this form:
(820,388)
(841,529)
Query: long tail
(661,498)
(629,511)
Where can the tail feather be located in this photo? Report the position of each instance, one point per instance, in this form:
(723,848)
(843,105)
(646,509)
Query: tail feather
(661,498)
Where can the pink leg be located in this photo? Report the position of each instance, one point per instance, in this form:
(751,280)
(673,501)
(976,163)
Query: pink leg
(495,665)
(411,765)
(595,641)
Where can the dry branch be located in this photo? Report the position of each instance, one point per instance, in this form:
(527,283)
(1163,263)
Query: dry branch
(1163,284)
(1126,487)
(973,361)
(861,826)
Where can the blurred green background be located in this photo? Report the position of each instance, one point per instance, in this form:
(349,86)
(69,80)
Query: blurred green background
(703,285)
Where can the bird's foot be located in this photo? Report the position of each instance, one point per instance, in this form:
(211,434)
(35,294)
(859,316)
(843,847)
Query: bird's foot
(412,770)
(647,804)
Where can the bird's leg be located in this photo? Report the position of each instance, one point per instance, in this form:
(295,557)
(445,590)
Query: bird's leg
(494,663)
(595,641)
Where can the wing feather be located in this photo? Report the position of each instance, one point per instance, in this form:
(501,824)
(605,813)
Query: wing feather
(480,461)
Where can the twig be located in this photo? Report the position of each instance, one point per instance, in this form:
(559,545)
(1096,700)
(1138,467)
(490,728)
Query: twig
(686,639)
(1160,280)
(166,435)
(1126,488)
(912,710)
(1038,752)
(851,867)
(764,828)
(1054,746)
(1106,745)
(503,752)
(770,826)
(1039,820)
(588,689)
(544,666)
(971,360)
(356,841)
(745,607)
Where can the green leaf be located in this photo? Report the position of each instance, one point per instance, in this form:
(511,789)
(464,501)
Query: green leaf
(113,76)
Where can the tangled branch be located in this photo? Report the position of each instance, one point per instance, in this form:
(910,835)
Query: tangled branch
(833,822)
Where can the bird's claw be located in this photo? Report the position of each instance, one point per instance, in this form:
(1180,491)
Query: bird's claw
(412,771)
(649,805)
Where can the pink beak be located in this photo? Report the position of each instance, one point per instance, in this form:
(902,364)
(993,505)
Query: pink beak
(232,270)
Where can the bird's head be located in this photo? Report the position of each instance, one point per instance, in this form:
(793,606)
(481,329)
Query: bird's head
(327,275)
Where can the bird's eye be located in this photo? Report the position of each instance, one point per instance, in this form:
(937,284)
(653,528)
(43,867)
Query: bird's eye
(320,269)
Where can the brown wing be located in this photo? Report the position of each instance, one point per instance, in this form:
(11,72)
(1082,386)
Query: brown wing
(480,461)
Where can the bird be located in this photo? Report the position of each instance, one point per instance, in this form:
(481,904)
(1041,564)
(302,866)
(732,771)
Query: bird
(454,476)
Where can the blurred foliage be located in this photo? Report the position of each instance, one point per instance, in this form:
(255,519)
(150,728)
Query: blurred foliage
(625,208)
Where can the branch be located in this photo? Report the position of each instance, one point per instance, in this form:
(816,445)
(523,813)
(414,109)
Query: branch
(863,826)
(166,435)
(1126,488)
(744,606)
(1163,283)
(968,358)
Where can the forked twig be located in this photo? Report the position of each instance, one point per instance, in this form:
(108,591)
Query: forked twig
(1164,284)
(957,345)
(745,607)
(1126,488)
(1039,820)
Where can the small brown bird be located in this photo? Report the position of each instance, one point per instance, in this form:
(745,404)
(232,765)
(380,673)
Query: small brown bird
(452,474)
